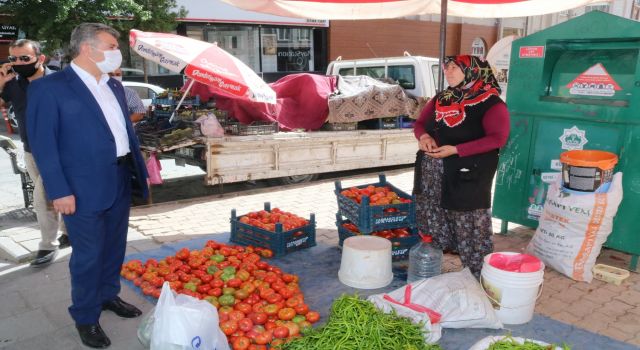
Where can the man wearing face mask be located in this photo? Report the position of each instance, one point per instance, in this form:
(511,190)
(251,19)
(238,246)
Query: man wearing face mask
(90,160)
(26,65)
(134,103)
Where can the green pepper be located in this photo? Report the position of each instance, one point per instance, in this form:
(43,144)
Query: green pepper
(212,269)
(217,257)
(229,269)
(190,286)
(226,300)
(299,318)
(227,276)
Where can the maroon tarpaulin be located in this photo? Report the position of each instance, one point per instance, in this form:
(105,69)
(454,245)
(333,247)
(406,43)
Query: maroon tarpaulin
(301,102)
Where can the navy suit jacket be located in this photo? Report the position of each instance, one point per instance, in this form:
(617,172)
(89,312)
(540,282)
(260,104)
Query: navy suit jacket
(72,144)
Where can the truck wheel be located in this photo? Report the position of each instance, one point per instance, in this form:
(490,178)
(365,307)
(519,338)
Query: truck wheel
(296,179)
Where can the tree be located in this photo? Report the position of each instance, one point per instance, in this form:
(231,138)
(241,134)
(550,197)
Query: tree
(51,21)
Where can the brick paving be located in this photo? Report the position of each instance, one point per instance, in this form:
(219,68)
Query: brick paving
(598,307)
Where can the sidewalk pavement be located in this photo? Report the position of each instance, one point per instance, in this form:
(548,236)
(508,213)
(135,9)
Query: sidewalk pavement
(33,311)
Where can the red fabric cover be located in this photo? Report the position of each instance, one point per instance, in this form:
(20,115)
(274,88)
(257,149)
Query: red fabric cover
(301,102)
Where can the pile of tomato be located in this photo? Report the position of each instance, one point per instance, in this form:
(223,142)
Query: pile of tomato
(267,220)
(377,195)
(257,303)
(388,234)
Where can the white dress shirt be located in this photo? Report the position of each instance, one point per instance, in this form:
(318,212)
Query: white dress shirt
(109,106)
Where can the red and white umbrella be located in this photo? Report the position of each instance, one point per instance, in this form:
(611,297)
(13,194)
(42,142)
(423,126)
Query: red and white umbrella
(203,62)
(375,9)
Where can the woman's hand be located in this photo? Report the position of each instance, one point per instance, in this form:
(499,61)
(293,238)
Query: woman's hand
(443,151)
(427,143)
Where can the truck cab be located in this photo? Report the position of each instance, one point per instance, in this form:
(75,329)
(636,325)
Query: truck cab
(418,75)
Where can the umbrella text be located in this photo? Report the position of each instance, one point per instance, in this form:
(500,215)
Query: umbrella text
(158,56)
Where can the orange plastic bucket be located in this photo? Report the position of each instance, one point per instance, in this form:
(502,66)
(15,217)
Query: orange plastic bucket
(587,170)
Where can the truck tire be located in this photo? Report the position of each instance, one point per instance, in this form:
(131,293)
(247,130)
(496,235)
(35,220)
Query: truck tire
(295,179)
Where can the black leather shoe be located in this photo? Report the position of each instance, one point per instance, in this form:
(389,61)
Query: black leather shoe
(93,336)
(63,241)
(44,258)
(122,308)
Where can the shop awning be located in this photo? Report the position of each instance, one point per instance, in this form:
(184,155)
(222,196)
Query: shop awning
(376,9)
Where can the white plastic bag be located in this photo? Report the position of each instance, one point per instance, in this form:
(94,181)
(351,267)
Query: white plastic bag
(485,343)
(184,322)
(210,126)
(573,227)
(456,296)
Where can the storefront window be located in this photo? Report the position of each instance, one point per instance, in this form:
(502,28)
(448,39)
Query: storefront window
(287,49)
(239,41)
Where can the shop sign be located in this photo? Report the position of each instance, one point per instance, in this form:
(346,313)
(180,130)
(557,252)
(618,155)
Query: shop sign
(531,52)
(293,59)
(595,81)
(8,32)
(573,138)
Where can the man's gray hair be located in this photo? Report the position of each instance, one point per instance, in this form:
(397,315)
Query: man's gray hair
(88,32)
(35,45)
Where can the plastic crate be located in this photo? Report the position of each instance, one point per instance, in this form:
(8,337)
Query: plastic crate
(255,128)
(379,123)
(404,122)
(156,134)
(400,246)
(280,242)
(370,218)
(340,126)
(174,101)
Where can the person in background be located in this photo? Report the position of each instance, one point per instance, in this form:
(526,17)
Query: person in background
(134,103)
(26,64)
(90,160)
(460,132)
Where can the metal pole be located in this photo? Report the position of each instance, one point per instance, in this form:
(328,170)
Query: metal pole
(443,41)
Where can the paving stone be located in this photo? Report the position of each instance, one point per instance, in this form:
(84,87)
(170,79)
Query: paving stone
(630,297)
(595,321)
(15,328)
(600,295)
(617,334)
(566,317)
(629,323)
(12,304)
(616,308)
(13,251)
(27,235)
(58,291)
(31,245)
(581,308)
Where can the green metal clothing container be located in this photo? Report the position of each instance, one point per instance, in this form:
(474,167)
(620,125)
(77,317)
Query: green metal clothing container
(574,86)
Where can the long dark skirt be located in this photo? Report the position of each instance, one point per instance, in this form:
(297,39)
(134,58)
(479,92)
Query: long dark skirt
(467,232)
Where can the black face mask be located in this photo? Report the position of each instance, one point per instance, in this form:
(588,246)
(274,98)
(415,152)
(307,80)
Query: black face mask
(25,70)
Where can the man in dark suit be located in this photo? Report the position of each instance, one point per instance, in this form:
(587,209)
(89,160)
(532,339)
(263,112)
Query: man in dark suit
(89,159)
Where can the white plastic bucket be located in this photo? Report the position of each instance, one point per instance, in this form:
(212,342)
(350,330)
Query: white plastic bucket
(366,262)
(513,294)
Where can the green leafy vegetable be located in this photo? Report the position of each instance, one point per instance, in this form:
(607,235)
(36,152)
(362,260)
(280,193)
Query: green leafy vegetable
(508,343)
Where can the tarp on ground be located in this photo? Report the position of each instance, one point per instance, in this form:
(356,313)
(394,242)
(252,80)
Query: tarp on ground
(361,97)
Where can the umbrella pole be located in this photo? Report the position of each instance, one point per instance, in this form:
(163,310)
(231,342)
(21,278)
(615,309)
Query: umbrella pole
(443,42)
(184,94)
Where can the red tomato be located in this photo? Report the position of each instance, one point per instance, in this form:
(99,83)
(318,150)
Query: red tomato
(293,327)
(301,309)
(236,315)
(286,314)
(229,327)
(243,307)
(312,316)
(257,347)
(280,332)
(258,317)
(263,338)
(273,298)
(241,343)
(245,324)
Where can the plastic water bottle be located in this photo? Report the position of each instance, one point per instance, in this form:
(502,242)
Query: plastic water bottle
(424,260)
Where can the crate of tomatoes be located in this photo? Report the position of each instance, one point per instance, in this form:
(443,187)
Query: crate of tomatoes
(375,207)
(280,231)
(402,239)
